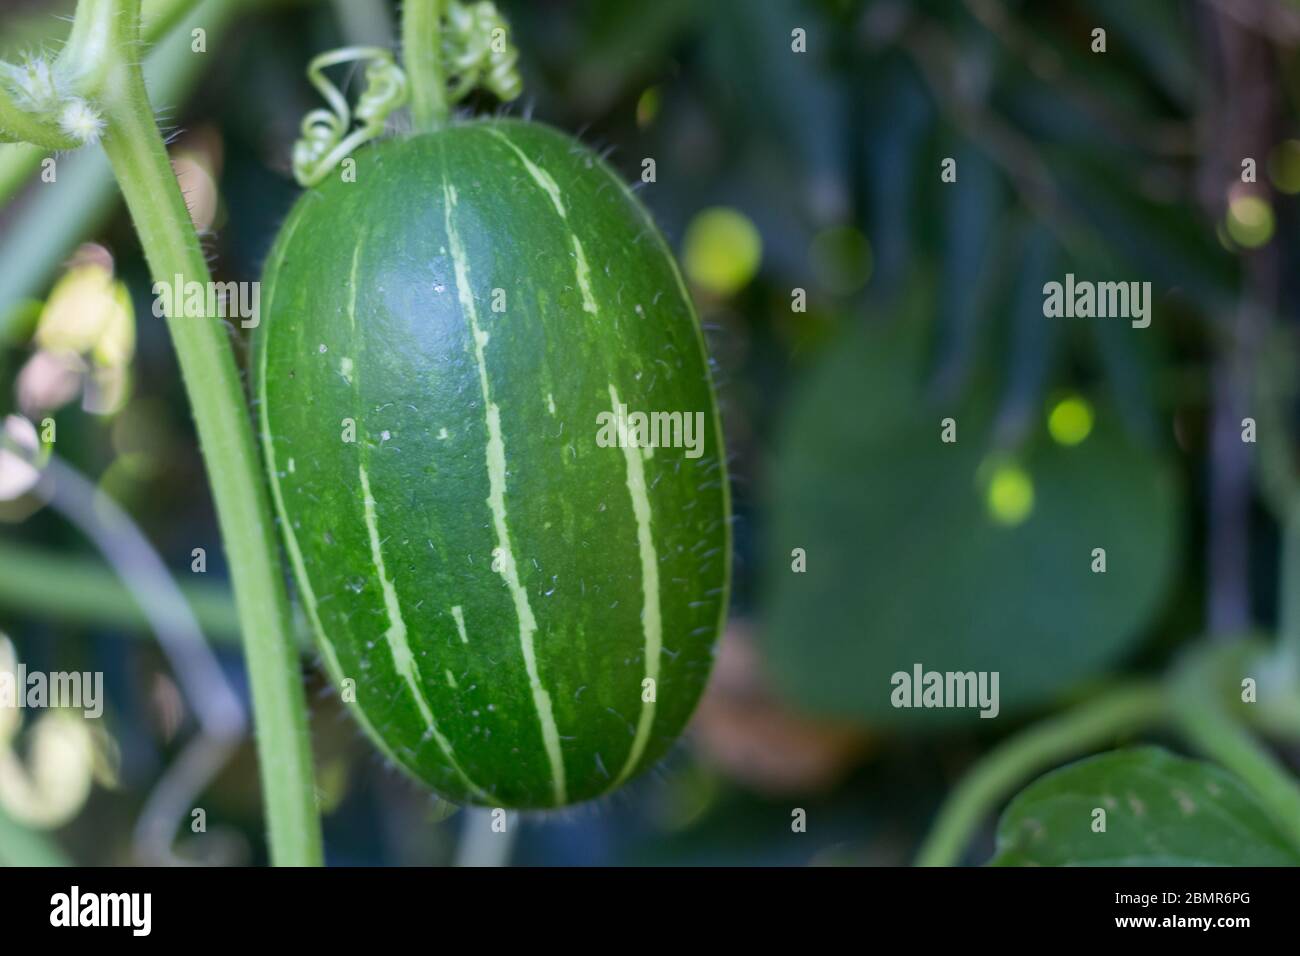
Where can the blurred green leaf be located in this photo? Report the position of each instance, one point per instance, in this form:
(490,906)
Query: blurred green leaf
(1161,810)
(924,552)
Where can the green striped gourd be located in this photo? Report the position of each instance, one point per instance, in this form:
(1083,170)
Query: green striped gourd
(527,615)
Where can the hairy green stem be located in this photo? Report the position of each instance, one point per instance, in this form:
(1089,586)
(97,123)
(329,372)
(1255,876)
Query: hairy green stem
(44,230)
(18,161)
(87,56)
(157,17)
(1035,750)
(422,60)
(17,124)
(81,59)
(139,159)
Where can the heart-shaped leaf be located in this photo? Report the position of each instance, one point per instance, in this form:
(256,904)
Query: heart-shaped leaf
(950,554)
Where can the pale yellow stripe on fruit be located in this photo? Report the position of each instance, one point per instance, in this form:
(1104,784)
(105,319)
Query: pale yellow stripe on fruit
(459,615)
(496,467)
(652,230)
(306,593)
(651,619)
(539,175)
(552,188)
(352,284)
(584,276)
(403,659)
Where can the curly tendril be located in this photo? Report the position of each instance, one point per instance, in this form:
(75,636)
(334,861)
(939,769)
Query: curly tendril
(328,135)
(477,52)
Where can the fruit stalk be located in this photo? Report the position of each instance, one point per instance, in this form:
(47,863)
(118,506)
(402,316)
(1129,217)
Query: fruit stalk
(140,163)
(422,58)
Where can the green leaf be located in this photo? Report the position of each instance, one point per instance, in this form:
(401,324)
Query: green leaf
(1161,810)
(910,560)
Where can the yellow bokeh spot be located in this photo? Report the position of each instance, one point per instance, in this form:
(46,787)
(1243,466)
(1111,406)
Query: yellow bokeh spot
(647,107)
(722,250)
(1070,420)
(1010,495)
(1284,166)
(1250,221)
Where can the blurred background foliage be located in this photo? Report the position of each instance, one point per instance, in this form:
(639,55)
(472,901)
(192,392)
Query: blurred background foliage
(852,300)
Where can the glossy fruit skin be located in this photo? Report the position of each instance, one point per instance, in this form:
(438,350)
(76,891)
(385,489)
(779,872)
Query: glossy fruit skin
(498,585)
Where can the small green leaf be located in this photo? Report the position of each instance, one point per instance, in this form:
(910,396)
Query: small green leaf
(1160,810)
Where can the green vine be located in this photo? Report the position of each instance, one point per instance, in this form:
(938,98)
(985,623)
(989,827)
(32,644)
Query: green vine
(139,159)
(1033,751)
(95,91)
(1196,700)
(422,58)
